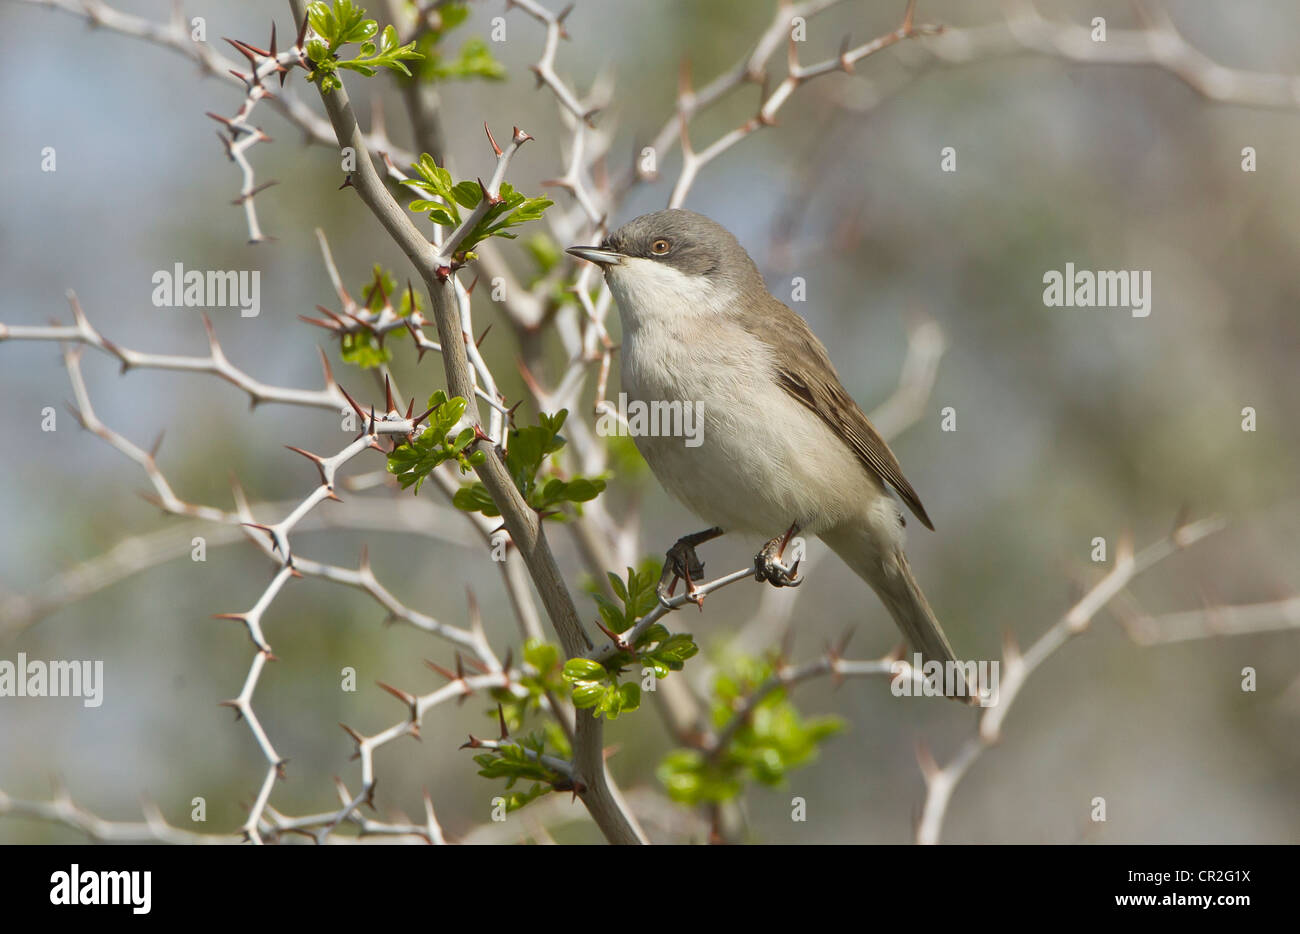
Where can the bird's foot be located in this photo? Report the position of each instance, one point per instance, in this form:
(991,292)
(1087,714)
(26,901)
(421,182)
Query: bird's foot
(682,563)
(769,567)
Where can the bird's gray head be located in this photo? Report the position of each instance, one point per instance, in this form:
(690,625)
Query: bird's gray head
(672,251)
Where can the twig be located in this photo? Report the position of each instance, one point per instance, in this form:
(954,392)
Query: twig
(941,782)
(601,798)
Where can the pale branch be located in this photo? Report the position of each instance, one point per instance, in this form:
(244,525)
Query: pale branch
(751,68)
(154,828)
(544,69)
(279,549)
(176,36)
(242,134)
(361,578)
(356,319)
(925,348)
(796,75)
(60,809)
(1214,622)
(627,638)
(1157,43)
(215,363)
(458,688)
(942,781)
(433,265)
(572,180)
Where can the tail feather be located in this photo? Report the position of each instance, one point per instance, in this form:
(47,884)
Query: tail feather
(890,576)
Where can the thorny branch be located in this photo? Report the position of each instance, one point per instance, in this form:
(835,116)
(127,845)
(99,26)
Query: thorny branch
(434,266)
(580,324)
(1017,666)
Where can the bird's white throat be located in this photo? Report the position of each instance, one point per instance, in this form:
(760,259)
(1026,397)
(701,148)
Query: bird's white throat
(650,291)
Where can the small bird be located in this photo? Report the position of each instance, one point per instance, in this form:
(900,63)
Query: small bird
(783,449)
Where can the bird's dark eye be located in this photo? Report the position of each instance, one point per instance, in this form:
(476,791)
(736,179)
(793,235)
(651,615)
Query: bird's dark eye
(660,247)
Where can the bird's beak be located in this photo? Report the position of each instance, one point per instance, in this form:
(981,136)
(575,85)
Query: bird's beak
(596,254)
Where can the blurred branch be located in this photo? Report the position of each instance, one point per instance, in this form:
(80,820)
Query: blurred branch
(941,782)
(796,75)
(785,676)
(1157,44)
(925,348)
(155,828)
(62,810)
(175,35)
(1215,621)
(137,553)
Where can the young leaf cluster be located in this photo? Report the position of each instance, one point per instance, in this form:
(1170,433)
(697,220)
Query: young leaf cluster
(771,742)
(597,686)
(510,208)
(540,677)
(412,463)
(513,763)
(474,61)
(346,24)
(367,350)
(527,452)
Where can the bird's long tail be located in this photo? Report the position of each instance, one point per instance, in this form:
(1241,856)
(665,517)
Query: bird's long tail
(890,576)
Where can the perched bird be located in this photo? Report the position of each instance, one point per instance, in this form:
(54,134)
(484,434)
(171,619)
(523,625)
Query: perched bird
(783,449)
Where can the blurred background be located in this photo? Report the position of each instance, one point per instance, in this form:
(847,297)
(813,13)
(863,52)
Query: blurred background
(1072,423)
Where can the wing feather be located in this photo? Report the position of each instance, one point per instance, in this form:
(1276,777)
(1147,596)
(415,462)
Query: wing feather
(806,373)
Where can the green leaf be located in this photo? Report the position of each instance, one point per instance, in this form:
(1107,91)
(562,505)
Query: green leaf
(475,498)
(346,24)
(610,614)
(364,350)
(582,490)
(317,51)
(541,655)
(545,252)
(467,194)
(773,740)
(587,694)
(526,454)
(322,21)
(412,463)
(631,695)
(583,669)
(522,761)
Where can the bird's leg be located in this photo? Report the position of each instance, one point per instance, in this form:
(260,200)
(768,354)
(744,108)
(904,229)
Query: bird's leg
(768,565)
(682,563)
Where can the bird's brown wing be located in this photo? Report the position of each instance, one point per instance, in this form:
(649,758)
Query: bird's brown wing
(806,373)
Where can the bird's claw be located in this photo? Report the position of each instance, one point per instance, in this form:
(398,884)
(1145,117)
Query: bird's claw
(769,567)
(681,563)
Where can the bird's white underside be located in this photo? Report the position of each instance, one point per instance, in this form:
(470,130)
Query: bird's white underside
(765,460)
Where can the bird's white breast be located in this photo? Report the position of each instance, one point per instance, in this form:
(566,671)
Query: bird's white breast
(764,459)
